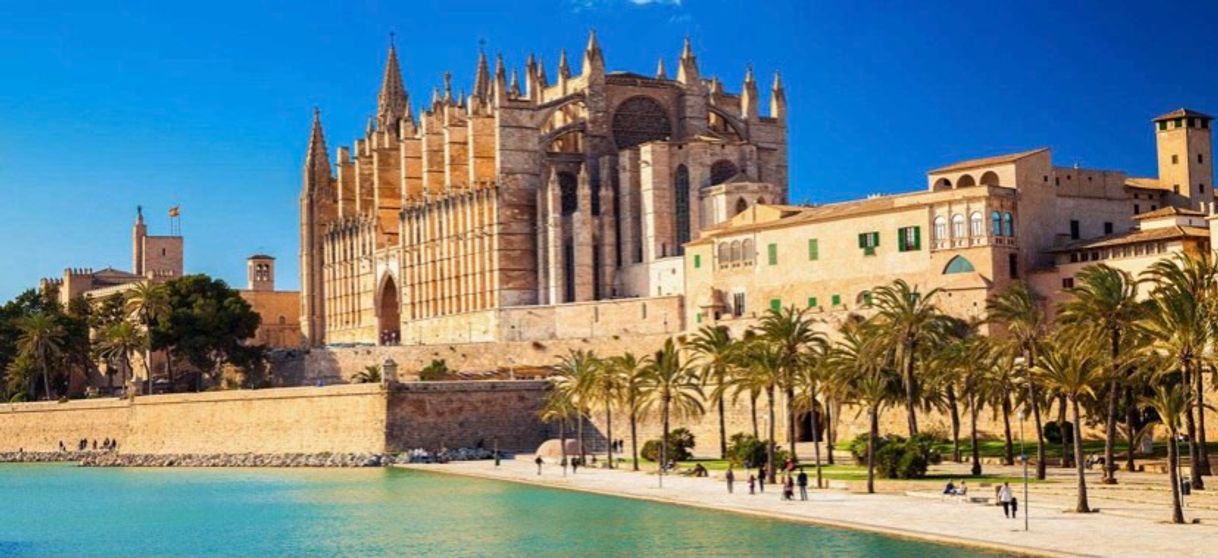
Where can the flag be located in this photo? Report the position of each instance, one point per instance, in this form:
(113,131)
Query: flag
(175,211)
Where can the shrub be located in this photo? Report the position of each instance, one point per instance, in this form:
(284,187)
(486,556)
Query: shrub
(680,441)
(896,457)
(434,372)
(745,450)
(1053,434)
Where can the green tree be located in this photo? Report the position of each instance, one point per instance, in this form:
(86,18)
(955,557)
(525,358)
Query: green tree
(1074,370)
(675,386)
(713,347)
(435,371)
(559,408)
(42,340)
(759,370)
(859,363)
(633,395)
(605,388)
(117,342)
(1171,400)
(574,377)
(790,335)
(205,321)
(1018,311)
(909,318)
(371,374)
(148,303)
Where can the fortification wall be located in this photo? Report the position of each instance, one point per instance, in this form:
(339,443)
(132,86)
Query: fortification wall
(431,415)
(41,426)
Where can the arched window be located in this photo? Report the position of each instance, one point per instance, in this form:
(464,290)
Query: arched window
(735,250)
(958,265)
(568,187)
(746,250)
(283,320)
(940,229)
(681,206)
(942,184)
(1008,223)
(990,178)
(965,181)
(976,224)
(957,226)
(638,120)
(725,252)
(996,224)
(722,170)
(741,205)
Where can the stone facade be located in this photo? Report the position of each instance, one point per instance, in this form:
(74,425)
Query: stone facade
(279,310)
(521,196)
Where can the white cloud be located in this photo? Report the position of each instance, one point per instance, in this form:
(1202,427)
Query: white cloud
(581,5)
(658,2)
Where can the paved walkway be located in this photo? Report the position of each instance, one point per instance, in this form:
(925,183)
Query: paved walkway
(1137,529)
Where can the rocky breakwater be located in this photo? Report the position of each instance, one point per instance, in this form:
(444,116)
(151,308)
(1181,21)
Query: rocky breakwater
(238,460)
(42,456)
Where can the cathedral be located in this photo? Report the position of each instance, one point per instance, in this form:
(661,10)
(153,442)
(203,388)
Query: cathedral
(469,219)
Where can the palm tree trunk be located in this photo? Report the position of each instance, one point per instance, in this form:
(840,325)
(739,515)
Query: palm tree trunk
(1008,448)
(1040,432)
(1173,473)
(1203,452)
(634,439)
(1194,453)
(1131,410)
(609,434)
(722,430)
(873,434)
(169,369)
(1078,461)
(562,442)
(1110,433)
(1061,427)
(664,442)
(910,392)
(816,437)
(148,367)
(769,392)
(46,377)
(753,408)
(791,422)
(976,451)
(951,401)
(579,426)
(830,431)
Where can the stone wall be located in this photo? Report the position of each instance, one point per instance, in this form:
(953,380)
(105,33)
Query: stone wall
(432,415)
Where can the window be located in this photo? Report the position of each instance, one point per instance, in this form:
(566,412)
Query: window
(1175,188)
(1008,221)
(813,249)
(909,239)
(1067,282)
(976,225)
(741,205)
(681,206)
(864,299)
(1205,123)
(725,253)
(957,226)
(1136,209)
(697,261)
(1074,232)
(940,229)
(1201,188)
(1107,227)
(1162,125)
(836,300)
(996,223)
(1179,122)
(772,249)
(735,250)
(1192,122)
(869,241)
(746,250)
(737,304)
(1175,159)
(811,302)
(958,265)
(776,304)
(1153,207)
(1013,265)
(698,317)
(1200,158)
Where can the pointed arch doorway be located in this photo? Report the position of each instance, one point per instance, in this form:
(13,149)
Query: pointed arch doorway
(389,313)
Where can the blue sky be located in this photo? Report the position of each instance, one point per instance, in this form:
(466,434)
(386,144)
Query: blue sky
(104,106)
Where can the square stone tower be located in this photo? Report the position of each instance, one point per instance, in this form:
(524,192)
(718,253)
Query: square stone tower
(1185,157)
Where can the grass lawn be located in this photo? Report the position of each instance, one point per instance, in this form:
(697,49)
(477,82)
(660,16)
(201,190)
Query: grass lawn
(843,472)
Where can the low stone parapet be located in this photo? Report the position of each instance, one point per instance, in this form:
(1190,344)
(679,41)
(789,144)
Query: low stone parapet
(238,460)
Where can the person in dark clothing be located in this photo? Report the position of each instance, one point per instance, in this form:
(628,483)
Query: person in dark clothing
(731,478)
(802,481)
(752,484)
(538,461)
(761,479)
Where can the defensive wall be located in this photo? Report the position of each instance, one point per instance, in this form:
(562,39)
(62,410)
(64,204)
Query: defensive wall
(354,418)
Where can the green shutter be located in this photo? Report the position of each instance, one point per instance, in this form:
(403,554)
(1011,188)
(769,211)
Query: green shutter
(698,317)
(813,249)
(867,298)
(917,239)
(901,239)
(876,237)
(776,304)
(837,300)
(862,240)
(773,249)
(697,261)
(811,302)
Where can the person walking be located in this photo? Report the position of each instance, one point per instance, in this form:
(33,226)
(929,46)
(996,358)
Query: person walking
(1004,498)
(575,465)
(731,478)
(788,487)
(761,479)
(803,484)
(752,484)
(538,461)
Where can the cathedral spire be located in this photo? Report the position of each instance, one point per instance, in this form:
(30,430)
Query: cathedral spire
(748,96)
(661,73)
(392,101)
(515,87)
(687,71)
(501,91)
(317,160)
(594,60)
(448,87)
(778,98)
(564,70)
(482,78)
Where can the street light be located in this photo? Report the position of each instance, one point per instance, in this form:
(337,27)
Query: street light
(1020,363)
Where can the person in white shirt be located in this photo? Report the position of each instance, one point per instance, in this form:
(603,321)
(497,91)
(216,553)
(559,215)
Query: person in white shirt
(1004,497)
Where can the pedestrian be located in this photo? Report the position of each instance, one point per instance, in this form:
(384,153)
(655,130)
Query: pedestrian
(731,478)
(752,484)
(803,484)
(496,459)
(788,487)
(575,465)
(538,461)
(761,479)
(1014,507)
(1004,498)
(564,466)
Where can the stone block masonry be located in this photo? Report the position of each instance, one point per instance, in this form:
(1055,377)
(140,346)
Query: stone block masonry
(432,415)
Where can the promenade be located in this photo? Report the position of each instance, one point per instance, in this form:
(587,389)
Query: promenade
(1131,522)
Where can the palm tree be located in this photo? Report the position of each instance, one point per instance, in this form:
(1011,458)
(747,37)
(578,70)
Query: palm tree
(559,408)
(148,302)
(1074,370)
(633,370)
(713,346)
(858,365)
(674,384)
(575,377)
(605,388)
(808,383)
(118,341)
(1018,310)
(909,319)
(41,340)
(1178,326)
(1106,303)
(1170,400)
(371,374)
(790,335)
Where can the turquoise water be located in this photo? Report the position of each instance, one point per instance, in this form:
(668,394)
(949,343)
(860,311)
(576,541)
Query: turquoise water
(63,510)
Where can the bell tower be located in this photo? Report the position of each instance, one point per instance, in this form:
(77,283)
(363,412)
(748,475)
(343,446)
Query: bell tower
(260,272)
(1185,157)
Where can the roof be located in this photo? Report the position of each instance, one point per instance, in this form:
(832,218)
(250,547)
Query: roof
(1182,112)
(1145,183)
(989,161)
(1168,212)
(260,257)
(1134,237)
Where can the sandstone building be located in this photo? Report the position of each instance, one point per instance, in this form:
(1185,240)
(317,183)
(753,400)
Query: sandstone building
(530,206)
(279,310)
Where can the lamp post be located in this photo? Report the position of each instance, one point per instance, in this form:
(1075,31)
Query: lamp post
(1020,363)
